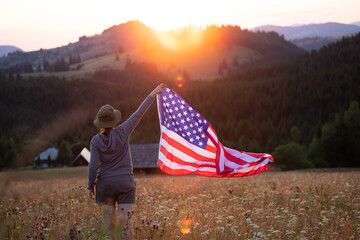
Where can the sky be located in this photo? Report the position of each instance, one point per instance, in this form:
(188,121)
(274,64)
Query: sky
(34,24)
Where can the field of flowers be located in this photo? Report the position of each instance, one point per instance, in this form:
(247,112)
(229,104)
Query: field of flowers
(53,204)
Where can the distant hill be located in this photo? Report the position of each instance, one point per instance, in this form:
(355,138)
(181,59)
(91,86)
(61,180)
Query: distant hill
(356,23)
(5,49)
(311,30)
(193,50)
(312,36)
(314,43)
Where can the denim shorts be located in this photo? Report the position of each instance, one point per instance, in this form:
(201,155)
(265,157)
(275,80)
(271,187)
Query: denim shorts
(116,189)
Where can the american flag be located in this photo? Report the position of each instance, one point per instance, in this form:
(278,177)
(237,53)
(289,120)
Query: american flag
(189,145)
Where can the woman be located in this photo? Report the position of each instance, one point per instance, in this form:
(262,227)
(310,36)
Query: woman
(111,163)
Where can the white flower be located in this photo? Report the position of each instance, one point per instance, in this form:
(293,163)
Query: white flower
(205,233)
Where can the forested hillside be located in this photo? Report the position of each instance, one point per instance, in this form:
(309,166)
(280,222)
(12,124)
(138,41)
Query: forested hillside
(295,110)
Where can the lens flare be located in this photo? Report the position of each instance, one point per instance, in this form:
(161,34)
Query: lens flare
(185,230)
(185,225)
(179,81)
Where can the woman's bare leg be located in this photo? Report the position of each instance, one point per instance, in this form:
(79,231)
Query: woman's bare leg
(109,218)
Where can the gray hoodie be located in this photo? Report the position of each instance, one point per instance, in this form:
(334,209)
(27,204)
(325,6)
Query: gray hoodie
(110,155)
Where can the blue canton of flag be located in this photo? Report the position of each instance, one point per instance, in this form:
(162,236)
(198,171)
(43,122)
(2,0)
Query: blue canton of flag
(178,116)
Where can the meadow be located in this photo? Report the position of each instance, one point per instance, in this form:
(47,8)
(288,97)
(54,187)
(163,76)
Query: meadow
(53,204)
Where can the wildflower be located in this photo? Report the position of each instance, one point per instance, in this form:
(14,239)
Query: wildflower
(154,225)
(230,190)
(220,228)
(143,220)
(41,233)
(28,235)
(205,233)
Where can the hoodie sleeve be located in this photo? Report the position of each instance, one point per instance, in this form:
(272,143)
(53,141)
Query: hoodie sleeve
(130,124)
(93,165)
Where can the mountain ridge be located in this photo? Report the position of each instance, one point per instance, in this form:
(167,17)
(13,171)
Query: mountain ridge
(311,30)
(6,49)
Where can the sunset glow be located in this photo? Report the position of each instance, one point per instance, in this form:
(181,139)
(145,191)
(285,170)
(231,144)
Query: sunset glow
(47,24)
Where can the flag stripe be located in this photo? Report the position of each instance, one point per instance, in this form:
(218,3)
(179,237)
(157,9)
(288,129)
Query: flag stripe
(177,166)
(185,145)
(180,159)
(185,157)
(172,168)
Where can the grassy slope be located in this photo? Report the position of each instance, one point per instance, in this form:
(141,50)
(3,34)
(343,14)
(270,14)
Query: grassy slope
(203,65)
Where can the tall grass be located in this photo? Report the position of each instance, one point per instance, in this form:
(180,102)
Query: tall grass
(53,204)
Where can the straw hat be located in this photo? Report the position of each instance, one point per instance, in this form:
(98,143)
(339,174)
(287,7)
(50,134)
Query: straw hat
(107,117)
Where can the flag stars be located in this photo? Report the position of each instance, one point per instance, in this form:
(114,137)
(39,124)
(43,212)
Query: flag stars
(178,116)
